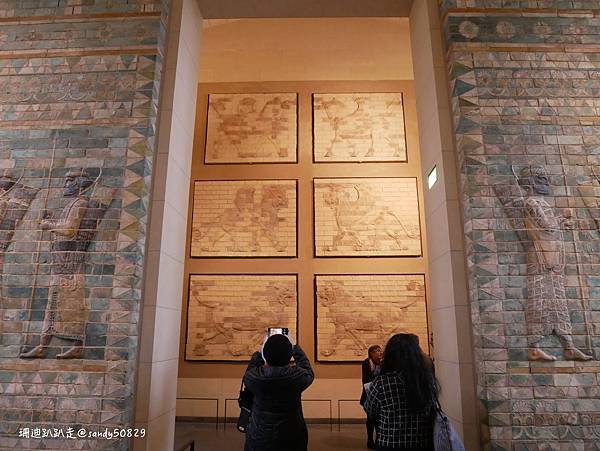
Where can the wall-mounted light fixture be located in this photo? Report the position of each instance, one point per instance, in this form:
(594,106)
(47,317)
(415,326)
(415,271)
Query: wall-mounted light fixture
(432,177)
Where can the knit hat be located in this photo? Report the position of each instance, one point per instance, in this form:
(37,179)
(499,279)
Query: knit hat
(277,350)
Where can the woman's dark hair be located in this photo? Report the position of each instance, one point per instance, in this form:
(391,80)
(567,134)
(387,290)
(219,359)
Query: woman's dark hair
(403,355)
(373,348)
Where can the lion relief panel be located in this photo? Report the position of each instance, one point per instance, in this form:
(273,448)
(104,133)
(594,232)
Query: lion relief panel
(366,217)
(249,218)
(251,128)
(357,311)
(228,315)
(358,127)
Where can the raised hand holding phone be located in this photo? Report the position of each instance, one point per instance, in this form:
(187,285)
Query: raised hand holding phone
(276,331)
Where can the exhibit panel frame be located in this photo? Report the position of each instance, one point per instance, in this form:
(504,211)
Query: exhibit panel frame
(356,125)
(331,336)
(240,333)
(249,136)
(351,220)
(246,219)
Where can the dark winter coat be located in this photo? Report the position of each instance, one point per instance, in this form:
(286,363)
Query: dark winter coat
(367,376)
(277,422)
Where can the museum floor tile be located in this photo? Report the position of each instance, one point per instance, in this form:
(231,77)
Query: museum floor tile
(322,437)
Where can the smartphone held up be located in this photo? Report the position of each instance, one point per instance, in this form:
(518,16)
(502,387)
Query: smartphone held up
(278,330)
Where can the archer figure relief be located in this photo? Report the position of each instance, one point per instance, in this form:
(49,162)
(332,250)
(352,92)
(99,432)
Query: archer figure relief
(251,128)
(356,311)
(228,315)
(15,199)
(72,232)
(359,127)
(590,194)
(366,217)
(244,218)
(540,227)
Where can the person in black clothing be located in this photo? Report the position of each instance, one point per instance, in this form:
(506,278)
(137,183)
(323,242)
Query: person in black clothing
(403,397)
(370,368)
(277,422)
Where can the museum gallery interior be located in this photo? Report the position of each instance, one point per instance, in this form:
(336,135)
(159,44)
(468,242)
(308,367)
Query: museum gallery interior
(177,176)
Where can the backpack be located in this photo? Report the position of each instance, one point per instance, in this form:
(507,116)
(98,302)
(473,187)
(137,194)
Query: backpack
(245,401)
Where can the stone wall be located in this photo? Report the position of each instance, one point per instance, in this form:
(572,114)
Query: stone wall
(525,87)
(80,82)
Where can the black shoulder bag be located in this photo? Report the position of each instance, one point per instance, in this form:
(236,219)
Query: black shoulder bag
(245,402)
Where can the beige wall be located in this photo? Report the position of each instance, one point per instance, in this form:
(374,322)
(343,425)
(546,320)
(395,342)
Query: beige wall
(300,49)
(359,49)
(306,49)
(217,380)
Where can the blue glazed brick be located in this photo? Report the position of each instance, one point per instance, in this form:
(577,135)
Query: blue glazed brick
(77,110)
(534,78)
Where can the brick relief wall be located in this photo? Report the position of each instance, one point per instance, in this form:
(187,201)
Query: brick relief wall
(329,225)
(366,217)
(251,128)
(526,100)
(359,127)
(355,311)
(78,106)
(244,218)
(229,314)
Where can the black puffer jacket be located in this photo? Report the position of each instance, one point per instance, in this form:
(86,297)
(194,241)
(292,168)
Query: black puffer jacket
(277,422)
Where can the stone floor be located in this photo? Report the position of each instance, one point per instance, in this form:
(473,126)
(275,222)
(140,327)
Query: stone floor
(322,437)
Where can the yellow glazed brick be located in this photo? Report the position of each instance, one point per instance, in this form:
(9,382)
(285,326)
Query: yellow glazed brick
(252,218)
(251,128)
(367,217)
(228,315)
(359,127)
(357,311)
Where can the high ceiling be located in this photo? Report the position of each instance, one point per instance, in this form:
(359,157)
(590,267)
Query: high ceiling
(238,9)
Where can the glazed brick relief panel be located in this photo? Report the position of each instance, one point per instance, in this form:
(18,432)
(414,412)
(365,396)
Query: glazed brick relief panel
(244,218)
(76,150)
(359,127)
(527,134)
(81,34)
(545,29)
(358,311)
(366,217)
(524,4)
(33,8)
(251,128)
(228,315)
(78,90)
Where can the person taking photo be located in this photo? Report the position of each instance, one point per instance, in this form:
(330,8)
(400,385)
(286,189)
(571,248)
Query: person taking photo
(276,420)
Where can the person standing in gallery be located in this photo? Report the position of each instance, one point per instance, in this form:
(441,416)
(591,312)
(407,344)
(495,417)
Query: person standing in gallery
(403,398)
(371,367)
(277,422)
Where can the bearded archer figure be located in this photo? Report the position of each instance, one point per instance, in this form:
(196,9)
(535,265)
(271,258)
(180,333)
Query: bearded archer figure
(67,310)
(546,312)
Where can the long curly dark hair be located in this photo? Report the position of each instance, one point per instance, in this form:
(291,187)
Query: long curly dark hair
(403,355)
